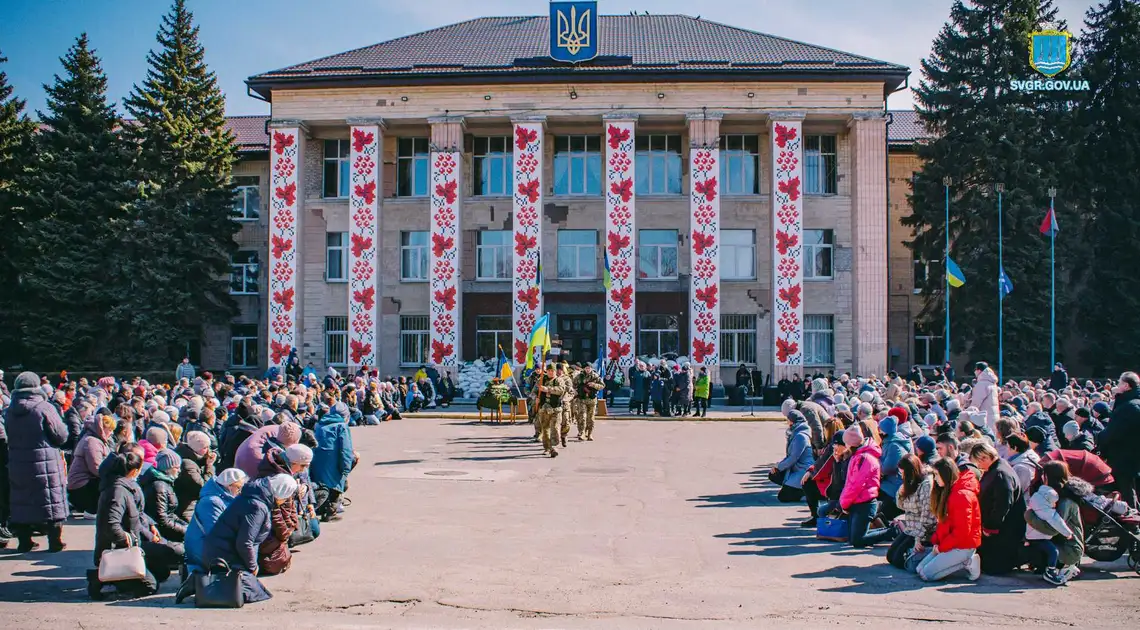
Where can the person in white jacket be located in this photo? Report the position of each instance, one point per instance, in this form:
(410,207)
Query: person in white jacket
(985,394)
(1043,503)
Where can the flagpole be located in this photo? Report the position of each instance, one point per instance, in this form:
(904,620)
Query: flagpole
(1052,281)
(1000,188)
(946,183)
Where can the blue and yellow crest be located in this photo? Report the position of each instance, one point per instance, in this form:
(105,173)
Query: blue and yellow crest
(573,31)
(1049,52)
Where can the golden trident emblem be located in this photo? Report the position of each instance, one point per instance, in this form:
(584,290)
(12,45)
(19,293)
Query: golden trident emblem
(574,31)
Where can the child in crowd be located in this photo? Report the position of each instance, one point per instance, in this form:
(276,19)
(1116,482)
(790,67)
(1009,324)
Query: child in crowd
(1044,505)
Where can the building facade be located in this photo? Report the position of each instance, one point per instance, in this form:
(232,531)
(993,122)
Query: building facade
(695,189)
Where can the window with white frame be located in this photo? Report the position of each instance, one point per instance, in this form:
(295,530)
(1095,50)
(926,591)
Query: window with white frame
(819,340)
(821,172)
(928,347)
(493,256)
(494,166)
(336,257)
(415,340)
(921,275)
(740,164)
(738,254)
(658,335)
(577,254)
(413,157)
(336,177)
(737,339)
(243,345)
(818,246)
(413,256)
(491,333)
(578,165)
(336,341)
(658,164)
(244,272)
(657,254)
(247,197)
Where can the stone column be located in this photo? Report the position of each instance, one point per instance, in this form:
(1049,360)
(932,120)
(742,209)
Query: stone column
(704,238)
(869,241)
(620,244)
(364,196)
(526,287)
(786,132)
(446,298)
(283,321)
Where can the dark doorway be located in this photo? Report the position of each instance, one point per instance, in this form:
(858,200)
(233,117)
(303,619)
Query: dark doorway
(579,335)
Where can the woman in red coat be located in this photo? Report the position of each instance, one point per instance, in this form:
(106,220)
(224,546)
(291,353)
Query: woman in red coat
(954,499)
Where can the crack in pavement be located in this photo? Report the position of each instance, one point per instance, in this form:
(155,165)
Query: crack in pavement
(592,614)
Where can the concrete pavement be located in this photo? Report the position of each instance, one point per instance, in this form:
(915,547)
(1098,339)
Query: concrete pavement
(653,525)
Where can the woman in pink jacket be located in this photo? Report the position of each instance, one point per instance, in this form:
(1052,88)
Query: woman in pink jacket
(861,491)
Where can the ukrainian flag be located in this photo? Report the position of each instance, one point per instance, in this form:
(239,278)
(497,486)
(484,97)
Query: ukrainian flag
(539,338)
(954,273)
(505,371)
(607,279)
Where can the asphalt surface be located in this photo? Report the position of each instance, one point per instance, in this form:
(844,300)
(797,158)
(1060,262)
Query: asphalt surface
(653,525)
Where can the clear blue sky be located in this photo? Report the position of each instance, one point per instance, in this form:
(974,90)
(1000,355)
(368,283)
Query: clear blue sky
(245,37)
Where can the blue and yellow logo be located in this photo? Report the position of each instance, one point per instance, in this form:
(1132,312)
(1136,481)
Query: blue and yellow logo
(1050,52)
(573,31)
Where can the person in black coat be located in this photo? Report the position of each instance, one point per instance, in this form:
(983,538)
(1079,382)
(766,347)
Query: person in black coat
(161,500)
(239,427)
(74,418)
(1003,511)
(1059,379)
(36,471)
(197,469)
(1120,440)
(119,523)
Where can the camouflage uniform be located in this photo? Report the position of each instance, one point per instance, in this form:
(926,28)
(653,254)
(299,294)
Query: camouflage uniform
(532,402)
(587,384)
(548,413)
(567,384)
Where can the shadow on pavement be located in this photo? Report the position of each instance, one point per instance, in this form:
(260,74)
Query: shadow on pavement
(398,462)
(778,542)
(882,578)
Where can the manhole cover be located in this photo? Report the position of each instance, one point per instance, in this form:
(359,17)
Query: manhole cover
(445,473)
(603,471)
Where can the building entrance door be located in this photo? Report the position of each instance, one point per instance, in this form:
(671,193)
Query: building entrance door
(579,335)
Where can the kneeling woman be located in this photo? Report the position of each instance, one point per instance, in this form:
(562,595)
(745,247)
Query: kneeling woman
(954,500)
(797,459)
(917,523)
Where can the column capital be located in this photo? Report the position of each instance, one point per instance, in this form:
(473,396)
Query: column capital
(529,118)
(785,116)
(875,115)
(699,116)
(286,123)
(366,121)
(448,120)
(621,117)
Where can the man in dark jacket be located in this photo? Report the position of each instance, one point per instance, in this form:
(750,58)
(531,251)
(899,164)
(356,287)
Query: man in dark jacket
(197,469)
(1062,413)
(1120,440)
(1041,420)
(35,465)
(75,418)
(1059,379)
(161,500)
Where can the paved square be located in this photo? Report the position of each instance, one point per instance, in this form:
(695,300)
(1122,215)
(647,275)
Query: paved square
(653,525)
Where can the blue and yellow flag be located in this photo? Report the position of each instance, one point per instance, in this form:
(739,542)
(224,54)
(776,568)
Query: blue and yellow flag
(954,273)
(539,338)
(607,279)
(504,372)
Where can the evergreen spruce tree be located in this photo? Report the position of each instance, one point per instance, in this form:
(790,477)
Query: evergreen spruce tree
(987,134)
(15,140)
(184,237)
(79,200)
(1106,185)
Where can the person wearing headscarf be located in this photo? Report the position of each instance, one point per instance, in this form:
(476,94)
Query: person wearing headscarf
(197,468)
(218,493)
(36,471)
(83,475)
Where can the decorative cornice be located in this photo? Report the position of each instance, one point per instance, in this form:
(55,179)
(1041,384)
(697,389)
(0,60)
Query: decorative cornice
(785,116)
(285,123)
(695,116)
(621,117)
(447,120)
(529,118)
(366,120)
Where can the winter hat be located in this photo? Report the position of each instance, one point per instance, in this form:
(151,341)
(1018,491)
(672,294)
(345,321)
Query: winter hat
(842,407)
(167,459)
(819,385)
(930,419)
(796,416)
(199,442)
(230,476)
(837,439)
(1071,429)
(853,437)
(289,434)
(1100,409)
(28,381)
(899,413)
(953,405)
(1084,412)
(889,425)
(282,486)
(925,444)
(1035,435)
(159,416)
(786,406)
(267,415)
(867,396)
(299,454)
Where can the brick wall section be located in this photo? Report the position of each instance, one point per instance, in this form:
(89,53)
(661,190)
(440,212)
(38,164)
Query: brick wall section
(904,305)
(869,202)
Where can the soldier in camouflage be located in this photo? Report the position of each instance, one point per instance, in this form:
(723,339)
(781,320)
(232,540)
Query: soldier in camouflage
(550,392)
(587,385)
(566,382)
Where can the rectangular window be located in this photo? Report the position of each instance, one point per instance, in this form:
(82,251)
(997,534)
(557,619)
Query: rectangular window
(336,177)
(336,341)
(491,333)
(336,257)
(818,245)
(414,340)
(658,335)
(413,256)
(244,273)
(737,339)
(740,164)
(820,165)
(577,254)
(578,165)
(247,198)
(493,255)
(494,166)
(658,164)
(657,254)
(921,275)
(738,254)
(819,340)
(928,347)
(413,156)
(243,345)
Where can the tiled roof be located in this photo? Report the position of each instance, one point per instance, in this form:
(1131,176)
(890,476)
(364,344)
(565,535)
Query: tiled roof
(249,132)
(906,127)
(627,43)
